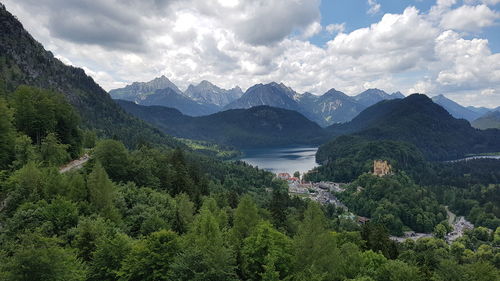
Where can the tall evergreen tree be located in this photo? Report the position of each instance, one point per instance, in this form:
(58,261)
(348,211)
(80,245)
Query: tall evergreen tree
(7,135)
(101,192)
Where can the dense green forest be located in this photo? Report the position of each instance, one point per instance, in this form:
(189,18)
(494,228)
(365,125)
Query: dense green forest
(157,213)
(470,188)
(260,126)
(417,120)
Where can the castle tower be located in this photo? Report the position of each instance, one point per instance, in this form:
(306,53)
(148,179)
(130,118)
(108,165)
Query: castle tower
(381,168)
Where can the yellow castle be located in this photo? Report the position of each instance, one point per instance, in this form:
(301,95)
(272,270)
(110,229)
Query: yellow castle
(381,168)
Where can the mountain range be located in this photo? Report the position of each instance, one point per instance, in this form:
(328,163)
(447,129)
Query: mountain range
(207,93)
(207,98)
(330,108)
(373,96)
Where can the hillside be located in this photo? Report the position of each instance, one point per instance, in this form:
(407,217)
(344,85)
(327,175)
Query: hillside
(254,127)
(490,120)
(25,61)
(421,122)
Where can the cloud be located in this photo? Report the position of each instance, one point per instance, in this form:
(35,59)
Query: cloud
(263,22)
(236,42)
(469,18)
(335,28)
(374,7)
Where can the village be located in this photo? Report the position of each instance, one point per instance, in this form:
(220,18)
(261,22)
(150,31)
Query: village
(323,193)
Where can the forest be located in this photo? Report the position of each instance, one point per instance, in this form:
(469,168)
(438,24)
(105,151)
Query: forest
(159,213)
(410,198)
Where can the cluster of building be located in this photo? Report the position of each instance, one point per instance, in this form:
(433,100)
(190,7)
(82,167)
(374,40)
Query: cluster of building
(459,227)
(317,191)
(322,192)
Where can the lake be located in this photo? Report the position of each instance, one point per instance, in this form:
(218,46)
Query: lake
(476,157)
(283,159)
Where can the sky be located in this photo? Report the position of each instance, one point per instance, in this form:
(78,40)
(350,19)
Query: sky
(449,47)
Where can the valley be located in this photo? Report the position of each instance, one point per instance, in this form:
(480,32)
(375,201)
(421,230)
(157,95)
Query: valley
(192,181)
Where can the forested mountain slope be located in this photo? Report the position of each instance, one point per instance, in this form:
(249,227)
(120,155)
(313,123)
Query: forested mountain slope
(24,61)
(419,121)
(254,127)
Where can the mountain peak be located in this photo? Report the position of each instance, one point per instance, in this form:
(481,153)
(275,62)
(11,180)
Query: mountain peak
(205,83)
(333,92)
(207,93)
(398,95)
(140,90)
(455,109)
(372,96)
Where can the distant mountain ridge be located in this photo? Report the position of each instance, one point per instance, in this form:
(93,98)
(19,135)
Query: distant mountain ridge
(254,127)
(207,98)
(457,110)
(490,120)
(169,98)
(272,94)
(332,107)
(138,91)
(207,93)
(416,119)
(373,96)
(202,99)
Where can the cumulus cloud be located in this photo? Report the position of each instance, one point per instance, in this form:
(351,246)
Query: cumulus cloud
(469,18)
(236,42)
(335,28)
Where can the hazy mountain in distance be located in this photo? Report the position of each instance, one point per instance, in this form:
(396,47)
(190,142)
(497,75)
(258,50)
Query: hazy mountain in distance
(488,121)
(481,110)
(455,109)
(272,94)
(207,93)
(331,107)
(170,98)
(138,91)
(372,96)
(397,95)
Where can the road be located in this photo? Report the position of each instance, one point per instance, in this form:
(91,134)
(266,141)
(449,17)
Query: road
(75,164)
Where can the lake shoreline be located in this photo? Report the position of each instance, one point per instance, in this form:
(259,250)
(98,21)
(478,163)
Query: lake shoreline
(286,159)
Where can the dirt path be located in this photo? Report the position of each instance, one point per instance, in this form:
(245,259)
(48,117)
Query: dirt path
(451,216)
(75,164)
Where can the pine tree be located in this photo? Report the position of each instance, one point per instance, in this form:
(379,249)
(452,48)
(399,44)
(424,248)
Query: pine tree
(101,191)
(7,135)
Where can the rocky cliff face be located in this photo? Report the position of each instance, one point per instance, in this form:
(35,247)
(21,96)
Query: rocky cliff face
(272,94)
(207,93)
(138,91)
